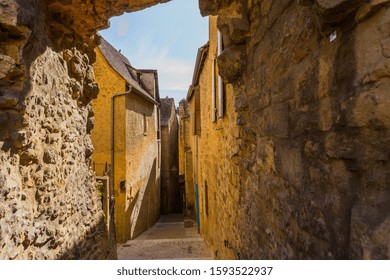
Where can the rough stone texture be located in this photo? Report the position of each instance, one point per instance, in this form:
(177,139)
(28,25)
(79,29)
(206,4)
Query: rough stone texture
(48,197)
(312,129)
(313,132)
(186,163)
(50,207)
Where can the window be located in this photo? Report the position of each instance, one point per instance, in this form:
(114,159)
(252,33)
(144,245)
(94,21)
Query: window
(217,85)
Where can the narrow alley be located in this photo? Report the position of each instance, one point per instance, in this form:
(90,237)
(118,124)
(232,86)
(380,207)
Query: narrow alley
(167,239)
(266,138)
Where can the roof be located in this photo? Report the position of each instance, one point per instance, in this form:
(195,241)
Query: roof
(200,59)
(132,75)
(166,110)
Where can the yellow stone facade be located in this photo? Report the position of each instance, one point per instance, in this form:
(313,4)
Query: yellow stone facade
(135,172)
(209,155)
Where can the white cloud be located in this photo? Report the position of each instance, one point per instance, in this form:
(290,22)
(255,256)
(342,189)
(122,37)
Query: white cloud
(174,73)
(123,27)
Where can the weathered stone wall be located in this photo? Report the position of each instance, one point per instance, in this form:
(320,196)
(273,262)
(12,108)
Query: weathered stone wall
(171,198)
(141,198)
(212,164)
(186,163)
(181,137)
(49,204)
(313,140)
(313,120)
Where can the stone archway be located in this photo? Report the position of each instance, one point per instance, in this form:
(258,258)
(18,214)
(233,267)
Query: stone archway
(49,207)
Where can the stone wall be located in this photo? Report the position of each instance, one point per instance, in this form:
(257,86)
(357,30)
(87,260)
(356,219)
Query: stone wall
(141,198)
(186,163)
(312,118)
(312,146)
(212,156)
(49,205)
(171,194)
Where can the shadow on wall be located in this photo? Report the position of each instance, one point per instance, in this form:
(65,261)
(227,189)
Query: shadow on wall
(45,124)
(144,211)
(138,105)
(89,245)
(329,185)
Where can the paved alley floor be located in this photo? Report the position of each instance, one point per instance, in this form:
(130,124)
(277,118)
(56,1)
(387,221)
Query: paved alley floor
(167,239)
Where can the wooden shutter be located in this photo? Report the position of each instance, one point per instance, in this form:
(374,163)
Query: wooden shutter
(213,91)
(221,86)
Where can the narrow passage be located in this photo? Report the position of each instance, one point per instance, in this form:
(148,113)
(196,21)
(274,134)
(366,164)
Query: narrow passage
(167,239)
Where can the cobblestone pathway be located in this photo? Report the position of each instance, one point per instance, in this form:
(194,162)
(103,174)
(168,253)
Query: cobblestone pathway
(167,239)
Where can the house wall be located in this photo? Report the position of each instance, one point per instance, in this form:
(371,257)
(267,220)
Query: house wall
(185,148)
(110,83)
(120,168)
(181,137)
(176,193)
(299,172)
(312,116)
(136,167)
(218,173)
(143,191)
(171,194)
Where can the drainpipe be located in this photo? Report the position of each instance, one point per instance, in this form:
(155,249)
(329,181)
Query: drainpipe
(112,133)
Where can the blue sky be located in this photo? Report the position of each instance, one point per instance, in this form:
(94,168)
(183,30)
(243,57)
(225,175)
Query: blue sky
(165,37)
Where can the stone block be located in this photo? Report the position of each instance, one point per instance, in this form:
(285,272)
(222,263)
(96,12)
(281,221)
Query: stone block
(274,121)
(230,63)
(289,164)
(370,8)
(239,30)
(338,145)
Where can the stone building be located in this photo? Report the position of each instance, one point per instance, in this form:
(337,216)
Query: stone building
(191,129)
(274,153)
(171,194)
(207,120)
(126,139)
(298,166)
